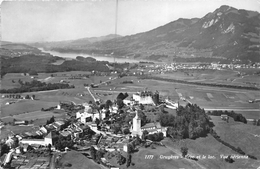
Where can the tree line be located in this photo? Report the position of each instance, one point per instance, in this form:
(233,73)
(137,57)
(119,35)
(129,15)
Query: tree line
(34,64)
(36,86)
(235,116)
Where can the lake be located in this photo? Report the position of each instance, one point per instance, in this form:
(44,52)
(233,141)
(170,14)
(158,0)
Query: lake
(99,58)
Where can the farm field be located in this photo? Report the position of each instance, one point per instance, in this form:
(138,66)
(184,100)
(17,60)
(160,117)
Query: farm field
(9,129)
(23,106)
(10,80)
(77,95)
(230,77)
(37,115)
(238,134)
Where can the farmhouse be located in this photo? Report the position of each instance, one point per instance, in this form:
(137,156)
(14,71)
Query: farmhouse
(224,117)
(20,122)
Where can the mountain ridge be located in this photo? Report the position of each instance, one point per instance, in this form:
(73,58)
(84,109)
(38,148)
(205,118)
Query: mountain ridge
(227,35)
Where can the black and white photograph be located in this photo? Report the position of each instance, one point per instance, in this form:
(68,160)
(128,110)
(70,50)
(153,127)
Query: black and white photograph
(130,84)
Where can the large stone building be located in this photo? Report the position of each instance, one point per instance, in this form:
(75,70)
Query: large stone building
(146,97)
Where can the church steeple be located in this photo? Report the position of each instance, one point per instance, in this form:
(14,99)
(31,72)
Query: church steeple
(137,116)
(136,125)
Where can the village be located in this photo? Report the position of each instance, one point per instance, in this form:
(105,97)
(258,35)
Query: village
(99,130)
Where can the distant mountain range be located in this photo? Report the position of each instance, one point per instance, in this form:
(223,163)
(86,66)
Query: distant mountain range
(225,35)
(78,43)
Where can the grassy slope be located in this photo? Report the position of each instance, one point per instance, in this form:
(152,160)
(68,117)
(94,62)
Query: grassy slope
(238,134)
(209,146)
(78,161)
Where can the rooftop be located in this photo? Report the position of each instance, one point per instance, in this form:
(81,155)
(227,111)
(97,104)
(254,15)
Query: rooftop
(157,125)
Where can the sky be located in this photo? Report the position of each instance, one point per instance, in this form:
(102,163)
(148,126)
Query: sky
(48,20)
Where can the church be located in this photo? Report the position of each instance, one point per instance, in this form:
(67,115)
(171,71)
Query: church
(150,127)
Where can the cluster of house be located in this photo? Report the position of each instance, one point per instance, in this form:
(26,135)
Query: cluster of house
(20,146)
(159,68)
(86,119)
(89,115)
(44,132)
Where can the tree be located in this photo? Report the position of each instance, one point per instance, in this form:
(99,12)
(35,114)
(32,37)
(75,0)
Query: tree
(126,131)
(97,103)
(151,137)
(120,159)
(145,133)
(93,153)
(16,142)
(258,123)
(160,136)
(4,148)
(52,119)
(102,106)
(108,104)
(32,72)
(99,155)
(116,128)
(48,122)
(141,106)
(49,148)
(142,117)
(130,148)
(184,151)
(97,121)
(128,160)
(138,140)
(121,96)
(120,103)
(27,97)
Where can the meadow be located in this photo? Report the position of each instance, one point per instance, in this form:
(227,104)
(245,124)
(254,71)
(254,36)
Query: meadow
(10,80)
(238,134)
(24,106)
(77,161)
(230,77)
